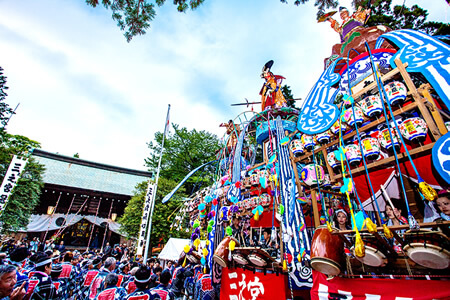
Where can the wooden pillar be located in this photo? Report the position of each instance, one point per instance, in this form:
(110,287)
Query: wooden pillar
(315,208)
(424,89)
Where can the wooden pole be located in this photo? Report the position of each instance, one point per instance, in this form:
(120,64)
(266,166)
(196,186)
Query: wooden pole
(315,208)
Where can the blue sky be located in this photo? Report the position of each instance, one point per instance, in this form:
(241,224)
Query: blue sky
(83,89)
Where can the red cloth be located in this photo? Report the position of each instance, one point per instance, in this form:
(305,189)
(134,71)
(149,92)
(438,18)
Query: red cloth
(383,289)
(265,220)
(242,284)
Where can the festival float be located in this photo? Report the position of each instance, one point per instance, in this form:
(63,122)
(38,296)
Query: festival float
(371,136)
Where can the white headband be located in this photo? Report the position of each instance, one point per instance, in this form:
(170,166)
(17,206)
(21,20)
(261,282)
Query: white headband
(43,263)
(142,280)
(342,211)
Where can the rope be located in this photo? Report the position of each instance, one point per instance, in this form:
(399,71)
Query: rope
(93,225)
(51,217)
(322,198)
(107,225)
(65,218)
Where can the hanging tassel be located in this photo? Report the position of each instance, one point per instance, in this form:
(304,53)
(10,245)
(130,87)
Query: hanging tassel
(370,225)
(232,245)
(204,270)
(256,216)
(184,262)
(413,225)
(284,265)
(427,191)
(387,232)
(360,251)
(330,229)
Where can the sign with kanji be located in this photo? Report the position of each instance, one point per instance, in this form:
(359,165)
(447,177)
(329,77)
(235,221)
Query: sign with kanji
(9,182)
(145,212)
(240,284)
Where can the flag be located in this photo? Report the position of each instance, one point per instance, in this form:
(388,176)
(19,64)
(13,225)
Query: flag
(166,129)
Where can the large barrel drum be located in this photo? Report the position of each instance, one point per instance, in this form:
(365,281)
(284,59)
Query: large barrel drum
(327,252)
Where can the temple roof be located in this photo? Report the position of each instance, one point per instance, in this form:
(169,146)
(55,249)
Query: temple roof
(78,173)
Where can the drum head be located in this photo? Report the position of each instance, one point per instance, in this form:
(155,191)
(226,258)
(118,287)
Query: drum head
(238,258)
(325,266)
(429,256)
(220,261)
(257,260)
(373,257)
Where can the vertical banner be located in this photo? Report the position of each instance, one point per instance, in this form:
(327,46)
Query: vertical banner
(10,180)
(144,222)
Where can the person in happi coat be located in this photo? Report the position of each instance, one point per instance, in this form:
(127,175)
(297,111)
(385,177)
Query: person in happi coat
(98,283)
(130,285)
(163,288)
(59,283)
(124,272)
(203,287)
(141,280)
(90,272)
(18,258)
(111,290)
(41,285)
(7,283)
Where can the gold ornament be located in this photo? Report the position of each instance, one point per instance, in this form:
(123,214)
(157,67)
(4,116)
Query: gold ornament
(330,229)
(427,191)
(205,252)
(387,232)
(360,251)
(370,225)
(184,262)
(232,245)
(284,265)
(256,216)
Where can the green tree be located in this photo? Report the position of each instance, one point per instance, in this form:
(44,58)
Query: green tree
(402,17)
(184,151)
(25,195)
(162,218)
(287,93)
(5,110)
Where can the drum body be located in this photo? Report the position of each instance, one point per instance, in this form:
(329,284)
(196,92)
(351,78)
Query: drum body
(371,148)
(353,154)
(222,251)
(259,257)
(324,137)
(308,141)
(327,252)
(385,139)
(396,92)
(297,147)
(239,259)
(413,128)
(194,257)
(428,248)
(371,106)
(375,255)
(311,176)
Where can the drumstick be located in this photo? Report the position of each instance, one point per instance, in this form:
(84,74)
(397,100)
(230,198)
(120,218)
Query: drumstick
(387,196)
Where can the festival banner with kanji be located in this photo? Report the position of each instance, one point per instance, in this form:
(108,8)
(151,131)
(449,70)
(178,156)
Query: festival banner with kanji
(10,180)
(240,284)
(376,288)
(144,221)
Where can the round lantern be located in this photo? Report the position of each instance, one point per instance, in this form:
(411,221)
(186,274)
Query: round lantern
(371,147)
(384,138)
(324,137)
(254,178)
(371,106)
(264,199)
(332,161)
(335,128)
(353,154)
(337,186)
(326,181)
(311,176)
(308,141)
(396,92)
(413,129)
(297,147)
(350,120)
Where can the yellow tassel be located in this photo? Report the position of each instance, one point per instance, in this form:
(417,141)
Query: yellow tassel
(299,257)
(284,265)
(330,229)
(360,251)
(184,263)
(207,243)
(427,191)
(205,252)
(371,226)
(256,216)
(204,270)
(232,245)
(387,232)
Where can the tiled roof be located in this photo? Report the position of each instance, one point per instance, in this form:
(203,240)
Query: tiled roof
(83,174)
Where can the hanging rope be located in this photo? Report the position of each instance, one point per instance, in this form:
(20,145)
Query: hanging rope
(65,218)
(322,198)
(107,225)
(93,225)
(51,217)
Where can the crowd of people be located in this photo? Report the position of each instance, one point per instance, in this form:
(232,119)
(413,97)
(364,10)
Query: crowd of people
(52,274)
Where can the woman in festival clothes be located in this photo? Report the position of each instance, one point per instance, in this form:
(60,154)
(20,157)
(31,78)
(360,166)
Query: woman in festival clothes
(395,214)
(443,203)
(341,220)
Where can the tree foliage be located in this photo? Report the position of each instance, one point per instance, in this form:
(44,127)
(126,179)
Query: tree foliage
(25,195)
(131,218)
(5,110)
(134,16)
(287,93)
(184,151)
(402,17)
